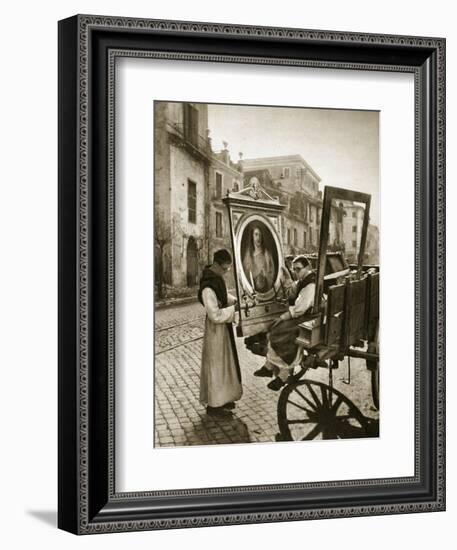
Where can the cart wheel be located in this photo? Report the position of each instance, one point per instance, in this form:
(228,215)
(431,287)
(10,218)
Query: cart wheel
(375,386)
(313,410)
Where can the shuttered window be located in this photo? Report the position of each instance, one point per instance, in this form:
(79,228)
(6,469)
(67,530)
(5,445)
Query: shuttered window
(218,185)
(191,123)
(192,201)
(218,225)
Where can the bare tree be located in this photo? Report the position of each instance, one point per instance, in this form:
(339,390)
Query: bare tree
(166,230)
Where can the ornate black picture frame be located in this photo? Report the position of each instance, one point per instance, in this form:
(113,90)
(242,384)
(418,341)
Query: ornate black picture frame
(88,501)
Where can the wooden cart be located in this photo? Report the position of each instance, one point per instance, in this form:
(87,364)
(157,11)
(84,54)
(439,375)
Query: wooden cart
(349,327)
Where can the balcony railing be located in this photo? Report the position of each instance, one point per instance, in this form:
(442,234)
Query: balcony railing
(200,143)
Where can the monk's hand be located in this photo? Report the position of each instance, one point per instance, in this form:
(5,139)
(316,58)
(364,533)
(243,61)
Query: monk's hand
(275,323)
(285,275)
(285,316)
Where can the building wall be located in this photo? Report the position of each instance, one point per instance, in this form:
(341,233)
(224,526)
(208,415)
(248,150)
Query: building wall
(232,180)
(293,237)
(161,157)
(162,188)
(291,171)
(372,247)
(352,219)
(176,162)
(175,113)
(182,169)
(295,183)
(175,116)
(314,219)
(290,179)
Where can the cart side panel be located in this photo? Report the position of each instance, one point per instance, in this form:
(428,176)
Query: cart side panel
(335,315)
(355,311)
(372,306)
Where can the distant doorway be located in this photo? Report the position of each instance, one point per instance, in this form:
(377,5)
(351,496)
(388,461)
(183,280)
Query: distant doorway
(192,262)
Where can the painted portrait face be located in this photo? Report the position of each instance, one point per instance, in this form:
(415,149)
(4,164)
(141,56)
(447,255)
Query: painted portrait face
(257,237)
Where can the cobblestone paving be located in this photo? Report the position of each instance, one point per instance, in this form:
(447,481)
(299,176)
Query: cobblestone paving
(180,419)
(171,316)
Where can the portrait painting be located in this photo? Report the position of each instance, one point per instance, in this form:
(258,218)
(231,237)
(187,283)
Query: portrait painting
(259,256)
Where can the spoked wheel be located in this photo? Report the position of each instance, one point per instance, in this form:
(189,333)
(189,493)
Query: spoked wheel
(375,385)
(313,410)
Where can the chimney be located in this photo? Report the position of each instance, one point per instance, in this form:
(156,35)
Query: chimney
(240,162)
(225,153)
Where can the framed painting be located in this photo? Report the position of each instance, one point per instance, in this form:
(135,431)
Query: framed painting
(251,274)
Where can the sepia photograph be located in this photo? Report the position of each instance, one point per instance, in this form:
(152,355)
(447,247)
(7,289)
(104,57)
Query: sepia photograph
(266,274)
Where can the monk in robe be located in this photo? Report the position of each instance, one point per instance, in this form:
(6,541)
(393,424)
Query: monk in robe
(282,348)
(220,376)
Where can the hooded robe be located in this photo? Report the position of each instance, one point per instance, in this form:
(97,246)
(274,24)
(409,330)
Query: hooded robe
(220,375)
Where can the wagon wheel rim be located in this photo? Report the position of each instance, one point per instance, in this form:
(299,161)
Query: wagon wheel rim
(375,386)
(312,410)
(373,366)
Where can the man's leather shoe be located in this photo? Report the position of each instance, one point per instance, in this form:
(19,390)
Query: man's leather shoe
(231,405)
(219,412)
(313,362)
(263,372)
(276,384)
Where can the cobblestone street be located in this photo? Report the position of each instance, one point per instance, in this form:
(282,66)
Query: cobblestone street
(180,419)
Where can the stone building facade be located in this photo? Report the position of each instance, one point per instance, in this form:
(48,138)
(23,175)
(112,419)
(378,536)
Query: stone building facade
(352,229)
(372,246)
(182,170)
(191,221)
(296,184)
(224,176)
(352,234)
